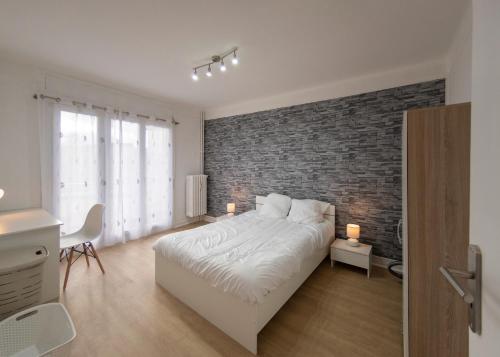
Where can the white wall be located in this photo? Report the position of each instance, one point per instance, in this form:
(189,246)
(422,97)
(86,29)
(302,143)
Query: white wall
(187,157)
(19,157)
(485,168)
(19,141)
(383,80)
(459,62)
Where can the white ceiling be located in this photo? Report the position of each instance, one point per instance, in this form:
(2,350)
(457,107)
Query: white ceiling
(150,46)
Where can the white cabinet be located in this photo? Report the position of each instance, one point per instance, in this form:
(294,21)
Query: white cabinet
(34,227)
(360,256)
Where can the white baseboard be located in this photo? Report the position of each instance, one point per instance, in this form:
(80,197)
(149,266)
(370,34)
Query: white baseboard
(185,222)
(180,224)
(210,219)
(381,261)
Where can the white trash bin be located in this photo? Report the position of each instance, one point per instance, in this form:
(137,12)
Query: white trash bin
(43,330)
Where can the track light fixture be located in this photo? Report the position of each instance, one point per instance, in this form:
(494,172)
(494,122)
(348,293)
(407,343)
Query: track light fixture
(216,59)
(235,59)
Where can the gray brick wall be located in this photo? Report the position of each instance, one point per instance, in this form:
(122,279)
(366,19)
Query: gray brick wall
(346,151)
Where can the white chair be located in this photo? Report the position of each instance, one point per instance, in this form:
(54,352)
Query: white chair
(92,229)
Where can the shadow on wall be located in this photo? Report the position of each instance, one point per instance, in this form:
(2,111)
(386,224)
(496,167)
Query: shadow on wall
(345,151)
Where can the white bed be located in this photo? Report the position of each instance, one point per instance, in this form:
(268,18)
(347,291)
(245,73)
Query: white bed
(205,268)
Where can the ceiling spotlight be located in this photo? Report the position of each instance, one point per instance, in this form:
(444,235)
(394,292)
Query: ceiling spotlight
(235,59)
(216,60)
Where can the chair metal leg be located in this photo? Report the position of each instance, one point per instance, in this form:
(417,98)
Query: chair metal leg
(68,267)
(63,254)
(85,252)
(91,246)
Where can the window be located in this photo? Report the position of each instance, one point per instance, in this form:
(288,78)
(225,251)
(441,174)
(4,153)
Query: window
(78,182)
(158,175)
(120,161)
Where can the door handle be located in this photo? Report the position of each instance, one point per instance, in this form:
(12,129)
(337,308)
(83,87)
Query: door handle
(471,295)
(463,292)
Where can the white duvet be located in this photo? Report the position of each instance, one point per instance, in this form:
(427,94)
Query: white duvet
(248,255)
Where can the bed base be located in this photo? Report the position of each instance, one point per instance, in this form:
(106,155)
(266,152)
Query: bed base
(236,318)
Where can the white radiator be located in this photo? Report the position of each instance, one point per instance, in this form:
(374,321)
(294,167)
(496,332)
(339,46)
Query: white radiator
(196,195)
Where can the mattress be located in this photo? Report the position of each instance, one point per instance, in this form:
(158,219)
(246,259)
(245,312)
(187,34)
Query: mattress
(248,255)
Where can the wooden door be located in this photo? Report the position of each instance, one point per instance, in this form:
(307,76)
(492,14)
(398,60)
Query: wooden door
(438,167)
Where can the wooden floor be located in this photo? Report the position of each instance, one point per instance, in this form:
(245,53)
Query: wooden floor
(124,313)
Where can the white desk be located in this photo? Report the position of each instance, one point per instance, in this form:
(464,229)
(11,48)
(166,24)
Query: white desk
(34,227)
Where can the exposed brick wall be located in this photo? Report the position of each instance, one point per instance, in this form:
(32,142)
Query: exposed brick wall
(345,151)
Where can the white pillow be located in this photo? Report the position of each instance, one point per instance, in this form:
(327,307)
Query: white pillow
(276,206)
(307,211)
(324,205)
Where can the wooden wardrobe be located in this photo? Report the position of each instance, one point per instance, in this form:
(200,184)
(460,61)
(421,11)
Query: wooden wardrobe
(436,176)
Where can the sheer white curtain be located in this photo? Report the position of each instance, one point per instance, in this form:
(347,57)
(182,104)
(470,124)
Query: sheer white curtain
(76,171)
(112,158)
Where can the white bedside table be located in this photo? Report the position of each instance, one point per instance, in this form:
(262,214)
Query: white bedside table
(360,256)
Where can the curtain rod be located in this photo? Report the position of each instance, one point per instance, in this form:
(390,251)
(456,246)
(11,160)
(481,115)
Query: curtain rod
(76,103)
